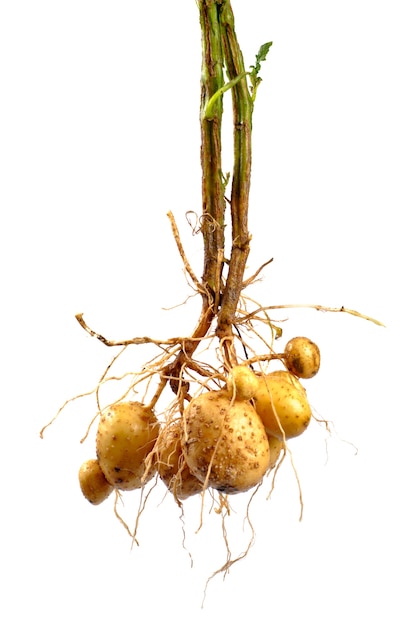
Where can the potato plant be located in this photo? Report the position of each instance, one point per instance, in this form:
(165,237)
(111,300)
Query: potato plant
(233,411)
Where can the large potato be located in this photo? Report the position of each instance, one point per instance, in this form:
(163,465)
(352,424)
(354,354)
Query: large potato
(93,483)
(171,465)
(288,376)
(225,441)
(282,405)
(126,434)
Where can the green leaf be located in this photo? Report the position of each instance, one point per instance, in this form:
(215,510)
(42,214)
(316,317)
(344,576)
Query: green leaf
(255,69)
(261,56)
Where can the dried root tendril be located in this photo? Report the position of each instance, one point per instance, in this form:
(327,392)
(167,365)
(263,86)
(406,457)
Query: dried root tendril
(118,498)
(224,510)
(317,307)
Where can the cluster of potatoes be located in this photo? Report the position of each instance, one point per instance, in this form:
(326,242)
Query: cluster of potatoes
(226,439)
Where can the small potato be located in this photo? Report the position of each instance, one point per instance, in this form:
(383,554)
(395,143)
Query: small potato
(242,383)
(171,465)
(93,483)
(225,441)
(276,448)
(282,406)
(302,357)
(126,434)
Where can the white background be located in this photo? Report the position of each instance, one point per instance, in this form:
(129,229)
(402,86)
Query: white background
(99,140)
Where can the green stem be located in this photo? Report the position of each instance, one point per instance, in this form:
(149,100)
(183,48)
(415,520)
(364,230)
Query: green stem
(213,202)
(210,105)
(242,120)
(213,183)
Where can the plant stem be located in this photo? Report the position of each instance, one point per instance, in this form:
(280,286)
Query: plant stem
(242,120)
(213,186)
(220,49)
(213,202)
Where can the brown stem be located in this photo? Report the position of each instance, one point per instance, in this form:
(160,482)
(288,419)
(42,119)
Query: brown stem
(213,187)
(213,202)
(242,120)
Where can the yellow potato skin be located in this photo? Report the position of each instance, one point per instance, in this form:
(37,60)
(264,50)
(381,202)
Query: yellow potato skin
(276,448)
(226,441)
(242,383)
(280,399)
(289,377)
(126,434)
(171,465)
(93,483)
(302,357)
